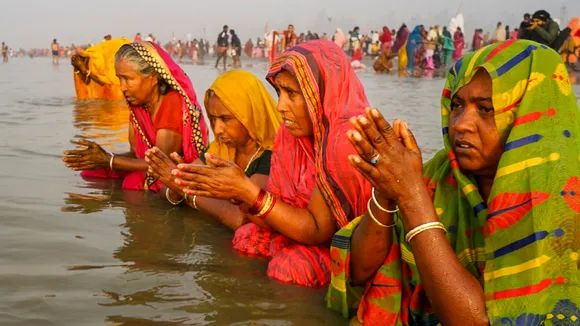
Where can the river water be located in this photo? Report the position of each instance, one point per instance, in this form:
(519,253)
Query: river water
(86,253)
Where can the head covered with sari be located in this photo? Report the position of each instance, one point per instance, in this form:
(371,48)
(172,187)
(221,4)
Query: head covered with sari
(244,95)
(523,243)
(195,132)
(386,37)
(333,94)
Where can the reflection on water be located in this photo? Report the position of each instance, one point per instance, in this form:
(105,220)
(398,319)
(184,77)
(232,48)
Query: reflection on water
(79,252)
(105,121)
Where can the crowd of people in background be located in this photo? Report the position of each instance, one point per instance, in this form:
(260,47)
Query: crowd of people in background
(419,51)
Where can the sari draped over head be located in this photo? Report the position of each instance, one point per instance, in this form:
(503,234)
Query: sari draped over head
(414,45)
(401,39)
(523,243)
(333,94)
(386,39)
(244,95)
(101,66)
(195,132)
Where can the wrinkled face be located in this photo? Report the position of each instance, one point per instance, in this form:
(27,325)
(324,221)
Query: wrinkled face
(136,87)
(227,129)
(292,105)
(472,131)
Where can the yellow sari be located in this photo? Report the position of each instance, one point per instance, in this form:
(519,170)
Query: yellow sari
(403,60)
(244,95)
(101,65)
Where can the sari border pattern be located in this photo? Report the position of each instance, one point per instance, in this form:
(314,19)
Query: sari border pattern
(148,53)
(298,65)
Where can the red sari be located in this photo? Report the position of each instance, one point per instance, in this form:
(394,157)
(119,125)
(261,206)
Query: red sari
(333,94)
(193,128)
(386,39)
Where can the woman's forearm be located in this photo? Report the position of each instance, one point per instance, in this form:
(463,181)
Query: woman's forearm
(371,244)
(298,224)
(222,210)
(129,154)
(129,164)
(456,295)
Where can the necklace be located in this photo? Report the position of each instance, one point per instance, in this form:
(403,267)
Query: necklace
(252,158)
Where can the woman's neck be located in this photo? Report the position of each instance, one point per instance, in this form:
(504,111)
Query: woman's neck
(152,104)
(249,148)
(245,152)
(485,183)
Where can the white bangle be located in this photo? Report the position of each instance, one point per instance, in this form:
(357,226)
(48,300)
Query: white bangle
(424,227)
(381,207)
(111,161)
(370,212)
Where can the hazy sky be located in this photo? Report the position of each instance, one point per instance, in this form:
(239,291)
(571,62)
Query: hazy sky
(30,23)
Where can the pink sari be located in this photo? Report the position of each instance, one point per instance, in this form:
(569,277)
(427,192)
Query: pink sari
(459,43)
(195,132)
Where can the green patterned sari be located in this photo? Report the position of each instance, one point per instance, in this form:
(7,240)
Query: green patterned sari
(523,244)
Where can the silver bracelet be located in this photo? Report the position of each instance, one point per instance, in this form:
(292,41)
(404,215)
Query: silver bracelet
(111,161)
(375,201)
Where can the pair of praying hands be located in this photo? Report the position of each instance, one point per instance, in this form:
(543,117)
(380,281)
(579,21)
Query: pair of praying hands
(220,179)
(388,157)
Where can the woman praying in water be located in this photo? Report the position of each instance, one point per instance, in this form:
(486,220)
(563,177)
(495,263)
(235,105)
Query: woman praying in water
(244,121)
(164,113)
(486,232)
(312,191)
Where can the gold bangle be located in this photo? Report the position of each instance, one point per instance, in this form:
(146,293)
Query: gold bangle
(375,219)
(174,203)
(194,203)
(269,200)
(424,227)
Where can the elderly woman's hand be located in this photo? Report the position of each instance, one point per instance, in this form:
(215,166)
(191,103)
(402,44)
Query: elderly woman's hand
(222,179)
(94,157)
(388,157)
(160,167)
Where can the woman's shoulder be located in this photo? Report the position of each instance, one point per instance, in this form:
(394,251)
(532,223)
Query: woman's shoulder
(170,115)
(172,96)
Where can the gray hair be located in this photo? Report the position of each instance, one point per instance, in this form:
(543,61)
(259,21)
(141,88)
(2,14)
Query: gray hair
(128,52)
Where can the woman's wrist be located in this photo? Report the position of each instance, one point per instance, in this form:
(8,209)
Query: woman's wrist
(105,161)
(417,209)
(248,193)
(384,202)
(173,195)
